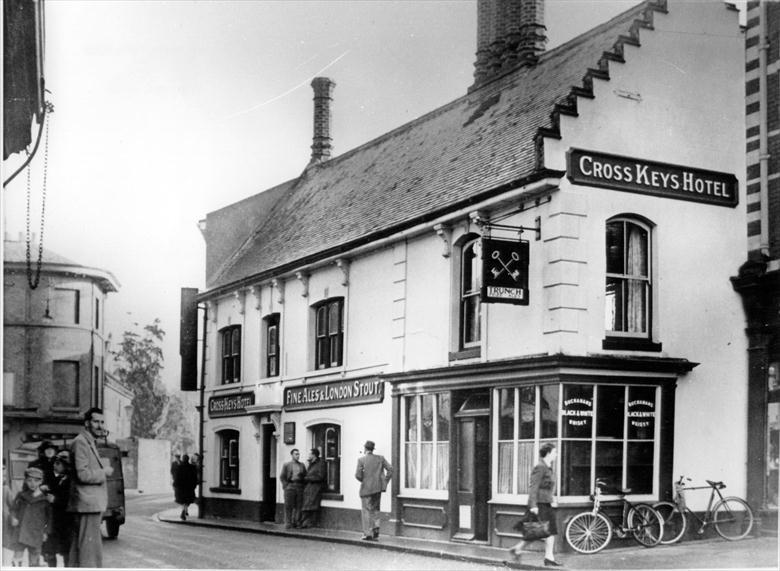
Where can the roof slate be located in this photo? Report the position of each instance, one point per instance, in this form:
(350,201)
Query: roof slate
(476,143)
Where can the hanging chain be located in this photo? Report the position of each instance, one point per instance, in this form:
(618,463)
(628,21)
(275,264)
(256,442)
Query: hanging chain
(34,281)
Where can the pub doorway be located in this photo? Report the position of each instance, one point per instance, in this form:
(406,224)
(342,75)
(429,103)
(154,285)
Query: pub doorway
(472,428)
(268,510)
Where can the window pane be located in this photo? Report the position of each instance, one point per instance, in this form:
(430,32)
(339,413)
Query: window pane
(334,318)
(444,419)
(322,321)
(549,410)
(443,466)
(506,414)
(615,240)
(609,462)
(471,319)
(465,452)
(427,418)
(613,305)
(575,468)
(525,464)
(639,475)
(577,411)
(411,419)
(636,305)
(411,465)
(641,413)
(66,383)
(505,466)
(426,465)
(528,412)
(636,256)
(272,329)
(611,411)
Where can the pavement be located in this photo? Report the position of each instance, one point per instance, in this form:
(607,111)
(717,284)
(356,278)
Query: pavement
(753,553)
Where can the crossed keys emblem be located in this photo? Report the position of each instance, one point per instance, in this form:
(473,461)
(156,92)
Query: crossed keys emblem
(498,271)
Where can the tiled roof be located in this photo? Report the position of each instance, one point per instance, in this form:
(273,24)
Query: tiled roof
(446,158)
(16,252)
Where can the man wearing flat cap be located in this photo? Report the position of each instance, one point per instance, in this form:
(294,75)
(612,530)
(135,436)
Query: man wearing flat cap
(373,472)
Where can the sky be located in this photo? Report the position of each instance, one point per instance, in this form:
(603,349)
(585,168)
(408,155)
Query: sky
(167,110)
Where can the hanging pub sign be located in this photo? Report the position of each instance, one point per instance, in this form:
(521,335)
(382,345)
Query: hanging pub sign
(649,177)
(505,271)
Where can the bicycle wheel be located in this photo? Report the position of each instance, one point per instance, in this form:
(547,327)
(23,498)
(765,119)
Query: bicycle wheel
(675,522)
(733,518)
(588,532)
(646,525)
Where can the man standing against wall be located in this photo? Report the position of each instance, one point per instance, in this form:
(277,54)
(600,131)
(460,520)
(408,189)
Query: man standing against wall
(89,495)
(292,477)
(373,472)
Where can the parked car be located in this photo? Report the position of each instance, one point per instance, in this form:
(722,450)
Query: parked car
(114,516)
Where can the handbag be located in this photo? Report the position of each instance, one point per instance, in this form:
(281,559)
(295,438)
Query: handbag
(532,529)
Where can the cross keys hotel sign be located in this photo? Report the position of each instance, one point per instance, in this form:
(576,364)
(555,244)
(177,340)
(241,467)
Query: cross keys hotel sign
(654,178)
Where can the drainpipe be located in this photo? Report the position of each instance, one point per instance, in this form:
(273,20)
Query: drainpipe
(763,149)
(200,410)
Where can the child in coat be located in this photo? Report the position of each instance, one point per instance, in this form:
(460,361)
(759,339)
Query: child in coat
(31,519)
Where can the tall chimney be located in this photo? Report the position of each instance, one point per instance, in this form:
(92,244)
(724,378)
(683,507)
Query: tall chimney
(509,33)
(321,143)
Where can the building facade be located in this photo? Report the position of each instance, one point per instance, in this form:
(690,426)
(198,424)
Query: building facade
(546,258)
(54,345)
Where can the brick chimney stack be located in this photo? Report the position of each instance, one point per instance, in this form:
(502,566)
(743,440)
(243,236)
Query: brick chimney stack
(510,33)
(321,143)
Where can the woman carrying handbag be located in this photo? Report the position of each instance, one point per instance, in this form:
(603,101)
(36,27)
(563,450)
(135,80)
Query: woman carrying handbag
(540,497)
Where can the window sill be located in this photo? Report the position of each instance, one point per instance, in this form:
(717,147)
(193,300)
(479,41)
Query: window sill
(415,494)
(218,490)
(630,344)
(470,353)
(334,497)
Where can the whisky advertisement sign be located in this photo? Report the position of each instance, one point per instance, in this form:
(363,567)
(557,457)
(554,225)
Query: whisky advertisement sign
(505,271)
(649,177)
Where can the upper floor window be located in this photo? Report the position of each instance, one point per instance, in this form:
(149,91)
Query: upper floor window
(231,354)
(272,345)
(228,459)
(327,439)
(628,280)
(97,313)
(329,333)
(66,305)
(470,303)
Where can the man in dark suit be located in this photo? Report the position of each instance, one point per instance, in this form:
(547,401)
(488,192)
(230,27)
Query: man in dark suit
(293,479)
(89,495)
(373,472)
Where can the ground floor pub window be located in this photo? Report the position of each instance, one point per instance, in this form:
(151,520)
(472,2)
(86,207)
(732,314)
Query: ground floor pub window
(602,430)
(426,421)
(327,439)
(228,460)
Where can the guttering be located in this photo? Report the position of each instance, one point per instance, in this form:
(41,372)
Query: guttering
(763,147)
(528,187)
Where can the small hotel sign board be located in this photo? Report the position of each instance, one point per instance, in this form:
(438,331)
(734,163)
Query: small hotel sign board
(505,271)
(230,405)
(338,393)
(649,177)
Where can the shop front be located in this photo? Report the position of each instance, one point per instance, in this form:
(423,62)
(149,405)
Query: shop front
(468,438)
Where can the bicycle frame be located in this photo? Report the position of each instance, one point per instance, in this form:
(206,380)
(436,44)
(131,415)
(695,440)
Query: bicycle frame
(621,526)
(715,497)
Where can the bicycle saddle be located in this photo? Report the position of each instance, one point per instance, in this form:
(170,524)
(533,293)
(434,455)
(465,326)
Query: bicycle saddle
(719,485)
(610,489)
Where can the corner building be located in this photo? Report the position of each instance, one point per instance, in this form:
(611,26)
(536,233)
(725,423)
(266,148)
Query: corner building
(362,300)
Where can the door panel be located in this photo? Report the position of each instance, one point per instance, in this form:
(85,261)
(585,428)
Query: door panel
(473,477)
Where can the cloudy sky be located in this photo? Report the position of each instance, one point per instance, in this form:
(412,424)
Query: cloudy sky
(167,110)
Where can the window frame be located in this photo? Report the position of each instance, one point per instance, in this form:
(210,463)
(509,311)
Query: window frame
(230,362)
(521,498)
(435,442)
(318,434)
(271,351)
(62,314)
(327,338)
(229,459)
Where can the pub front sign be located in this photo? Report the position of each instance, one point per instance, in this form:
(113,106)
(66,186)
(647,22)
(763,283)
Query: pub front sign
(230,405)
(649,177)
(505,271)
(337,393)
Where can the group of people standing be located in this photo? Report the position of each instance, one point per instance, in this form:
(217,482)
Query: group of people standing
(60,507)
(303,486)
(185,476)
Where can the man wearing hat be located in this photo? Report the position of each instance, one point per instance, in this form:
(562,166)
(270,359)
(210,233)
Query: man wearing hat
(89,494)
(373,472)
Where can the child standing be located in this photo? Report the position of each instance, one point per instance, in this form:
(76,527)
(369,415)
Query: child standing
(58,542)
(31,519)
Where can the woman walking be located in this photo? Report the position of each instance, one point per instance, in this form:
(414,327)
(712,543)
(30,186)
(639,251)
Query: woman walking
(184,483)
(540,496)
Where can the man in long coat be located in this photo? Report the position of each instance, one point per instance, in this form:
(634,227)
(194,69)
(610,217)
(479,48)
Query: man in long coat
(373,472)
(312,494)
(89,494)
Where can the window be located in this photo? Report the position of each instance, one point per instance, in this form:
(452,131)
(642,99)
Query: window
(329,333)
(66,305)
(231,354)
(627,304)
(228,459)
(603,431)
(272,345)
(470,284)
(327,439)
(66,384)
(97,313)
(427,442)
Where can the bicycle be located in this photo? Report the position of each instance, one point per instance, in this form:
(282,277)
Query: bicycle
(591,531)
(731,516)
